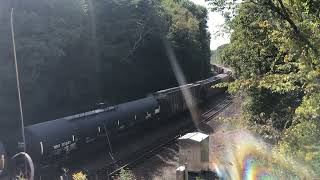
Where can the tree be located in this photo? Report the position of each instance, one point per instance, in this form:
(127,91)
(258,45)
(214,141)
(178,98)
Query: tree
(274,53)
(216,54)
(267,53)
(75,54)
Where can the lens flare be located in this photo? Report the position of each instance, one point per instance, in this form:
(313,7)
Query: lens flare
(187,95)
(243,156)
(253,171)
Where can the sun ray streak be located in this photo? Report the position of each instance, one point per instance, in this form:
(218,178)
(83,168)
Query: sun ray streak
(189,99)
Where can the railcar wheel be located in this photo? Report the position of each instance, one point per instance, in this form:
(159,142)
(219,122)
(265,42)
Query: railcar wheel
(23,166)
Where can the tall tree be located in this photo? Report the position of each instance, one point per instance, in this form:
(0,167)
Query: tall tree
(74,54)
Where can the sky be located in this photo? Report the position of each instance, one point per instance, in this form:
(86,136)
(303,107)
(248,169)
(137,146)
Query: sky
(215,20)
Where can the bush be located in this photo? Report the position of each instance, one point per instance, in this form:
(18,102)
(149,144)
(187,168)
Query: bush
(301,142)
(79,176)
(126,174)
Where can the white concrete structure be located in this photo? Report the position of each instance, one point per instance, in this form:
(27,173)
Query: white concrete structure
(194,152)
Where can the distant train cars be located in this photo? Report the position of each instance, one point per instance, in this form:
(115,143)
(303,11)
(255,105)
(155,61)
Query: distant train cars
(218,69)
(206,85)
(57,139)
(172,101)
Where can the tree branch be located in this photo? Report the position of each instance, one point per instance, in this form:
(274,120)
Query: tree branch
(282,11)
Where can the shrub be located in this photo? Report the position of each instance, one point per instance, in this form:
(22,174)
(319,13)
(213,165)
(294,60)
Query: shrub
(79,176)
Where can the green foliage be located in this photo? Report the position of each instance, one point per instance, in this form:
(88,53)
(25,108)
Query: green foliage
(267,108)
(301,142)
(274,52)
(251,52)
(21,176)
(189,37)
(79,176)
(215,55)
(126,174)
(309,108)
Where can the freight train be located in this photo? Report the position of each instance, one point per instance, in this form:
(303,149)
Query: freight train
(54,140)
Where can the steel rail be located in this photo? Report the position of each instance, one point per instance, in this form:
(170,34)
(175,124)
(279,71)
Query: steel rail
(158,148)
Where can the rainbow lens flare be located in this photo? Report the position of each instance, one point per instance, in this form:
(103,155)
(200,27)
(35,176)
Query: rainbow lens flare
(238,155)
(253,171)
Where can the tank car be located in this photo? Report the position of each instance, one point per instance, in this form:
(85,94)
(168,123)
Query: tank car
(51,140)
(54,140)
(141,112)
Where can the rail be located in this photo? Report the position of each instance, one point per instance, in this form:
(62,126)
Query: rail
(156,148)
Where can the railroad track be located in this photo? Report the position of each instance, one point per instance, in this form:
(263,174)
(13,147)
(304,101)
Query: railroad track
(211,112)
(114,168)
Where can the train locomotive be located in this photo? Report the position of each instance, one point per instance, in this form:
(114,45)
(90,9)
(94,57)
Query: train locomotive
(52,141)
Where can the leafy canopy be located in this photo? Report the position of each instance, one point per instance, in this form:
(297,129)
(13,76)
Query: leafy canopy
(274,54)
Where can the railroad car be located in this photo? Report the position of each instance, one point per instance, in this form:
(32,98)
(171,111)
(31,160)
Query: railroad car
(218,69)
(64,137)
(206,85)
(172,101)
(54,140)
(50,140)
(135,113)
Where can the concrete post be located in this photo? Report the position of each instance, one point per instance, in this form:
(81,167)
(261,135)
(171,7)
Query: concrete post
(186,174)
(180,173)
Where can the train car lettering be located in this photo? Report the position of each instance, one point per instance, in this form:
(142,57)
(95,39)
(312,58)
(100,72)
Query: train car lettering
(66,143)
(148,116)
(56,146)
